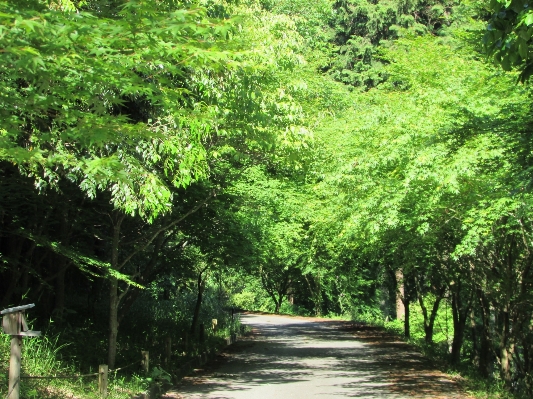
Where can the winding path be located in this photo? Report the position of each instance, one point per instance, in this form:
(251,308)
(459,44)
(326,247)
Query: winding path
(304,358)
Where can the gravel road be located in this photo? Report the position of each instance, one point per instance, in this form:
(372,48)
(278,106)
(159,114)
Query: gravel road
(303,358)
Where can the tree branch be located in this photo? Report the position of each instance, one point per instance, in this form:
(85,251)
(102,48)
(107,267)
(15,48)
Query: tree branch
(164,228)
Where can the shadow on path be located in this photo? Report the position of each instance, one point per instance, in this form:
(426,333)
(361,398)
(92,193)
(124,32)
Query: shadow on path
(301,358)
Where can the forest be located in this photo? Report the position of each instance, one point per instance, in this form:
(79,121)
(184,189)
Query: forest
(164,163)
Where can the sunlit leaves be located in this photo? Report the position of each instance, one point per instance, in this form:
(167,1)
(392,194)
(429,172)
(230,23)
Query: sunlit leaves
(425,147)
(106,101)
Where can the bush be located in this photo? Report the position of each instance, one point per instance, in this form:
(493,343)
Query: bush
(244,300)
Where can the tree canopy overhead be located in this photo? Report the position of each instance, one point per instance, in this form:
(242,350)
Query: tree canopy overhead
(317,157)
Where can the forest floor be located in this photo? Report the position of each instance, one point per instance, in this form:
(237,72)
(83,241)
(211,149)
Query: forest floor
(297,357)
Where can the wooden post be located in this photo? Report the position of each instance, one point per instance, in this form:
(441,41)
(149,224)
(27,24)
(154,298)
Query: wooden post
(14,367)
(103,371)
(14,324)
(146,361)
(168,349)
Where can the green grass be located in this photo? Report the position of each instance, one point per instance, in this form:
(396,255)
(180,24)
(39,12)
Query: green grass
(42,357)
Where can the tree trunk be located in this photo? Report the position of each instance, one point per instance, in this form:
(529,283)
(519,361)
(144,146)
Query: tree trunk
(400,292)
(197,307)
(279,301)
(474,357)
(146,277)
(113,321)
(484,337)
(406,301)
(114,298)
(315,288)
(460,314)
(429,319)
(429,326)
(274,299)
(505,349)
(113,291)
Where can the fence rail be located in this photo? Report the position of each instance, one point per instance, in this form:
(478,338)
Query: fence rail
(14,324)
(102,375)
(66,377)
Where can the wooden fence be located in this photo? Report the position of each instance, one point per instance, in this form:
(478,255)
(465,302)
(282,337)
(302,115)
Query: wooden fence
(14,324)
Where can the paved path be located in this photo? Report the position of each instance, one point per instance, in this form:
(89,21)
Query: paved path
(304,358)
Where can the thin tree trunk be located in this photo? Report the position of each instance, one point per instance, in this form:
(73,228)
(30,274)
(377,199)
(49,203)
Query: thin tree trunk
(113,321)
(429,327)
(400,292)
(505,350)
(269,289)
(279,302)
(406,299)
(460,313)
(276,306)
(474,357)
(145,278)
(118,217)
(429,319)
(197,307)
(316,292)
(484,338)
(114,299)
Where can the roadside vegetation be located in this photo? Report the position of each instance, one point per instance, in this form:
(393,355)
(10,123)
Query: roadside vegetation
(163,163)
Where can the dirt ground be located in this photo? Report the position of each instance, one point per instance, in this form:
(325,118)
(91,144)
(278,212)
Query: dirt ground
(296,357)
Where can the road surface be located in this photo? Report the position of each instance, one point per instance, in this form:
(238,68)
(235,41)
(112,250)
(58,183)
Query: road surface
(305,358)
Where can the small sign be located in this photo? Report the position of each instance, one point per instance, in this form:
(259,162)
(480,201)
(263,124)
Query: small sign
(11,323)
(17,309)
(14,322)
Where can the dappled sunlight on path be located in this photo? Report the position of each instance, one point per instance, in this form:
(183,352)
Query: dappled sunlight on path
(289,357)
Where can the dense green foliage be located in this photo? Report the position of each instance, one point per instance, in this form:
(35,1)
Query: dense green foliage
(162,162)
(508,36)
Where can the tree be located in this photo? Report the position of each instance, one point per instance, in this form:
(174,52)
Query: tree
(361,26)
(508,36)
(132,114)
(411,176)
(160,87)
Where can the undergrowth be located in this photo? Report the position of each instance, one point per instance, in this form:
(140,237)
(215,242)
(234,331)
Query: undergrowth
(42,357)
(48,356)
